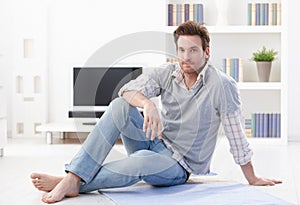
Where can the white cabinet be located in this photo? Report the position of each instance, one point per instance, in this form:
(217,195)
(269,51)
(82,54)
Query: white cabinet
(29,88)
(3,121)
(235,38)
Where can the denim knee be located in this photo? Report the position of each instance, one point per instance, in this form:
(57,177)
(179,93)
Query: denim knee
(118,104)
(119,109)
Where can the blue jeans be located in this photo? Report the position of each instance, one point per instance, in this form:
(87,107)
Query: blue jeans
(147,160)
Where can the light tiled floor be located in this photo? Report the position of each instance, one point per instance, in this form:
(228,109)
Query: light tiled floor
(23,156)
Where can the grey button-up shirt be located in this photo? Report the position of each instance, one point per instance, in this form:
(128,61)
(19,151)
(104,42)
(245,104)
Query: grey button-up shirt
(191,117)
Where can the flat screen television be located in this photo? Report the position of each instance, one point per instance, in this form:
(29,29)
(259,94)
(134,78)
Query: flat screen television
(97,86)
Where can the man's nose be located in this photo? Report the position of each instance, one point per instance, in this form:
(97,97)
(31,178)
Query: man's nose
(186,55)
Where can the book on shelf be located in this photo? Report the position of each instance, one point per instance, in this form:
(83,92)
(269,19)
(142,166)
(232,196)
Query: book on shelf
(172,60)
(180,13)
(248,127)
(263,125)
(233,67)
(266,14)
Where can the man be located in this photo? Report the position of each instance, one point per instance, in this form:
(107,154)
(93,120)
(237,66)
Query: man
(164,147)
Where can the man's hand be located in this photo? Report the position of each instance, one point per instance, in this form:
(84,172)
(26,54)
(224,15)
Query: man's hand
(248,171)
(152,123)
(265,182)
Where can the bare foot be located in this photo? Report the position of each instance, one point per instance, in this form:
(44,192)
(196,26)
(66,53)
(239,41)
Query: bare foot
(67,187)
(45,182)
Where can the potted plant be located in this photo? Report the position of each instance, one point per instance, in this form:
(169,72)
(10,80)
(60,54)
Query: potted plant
(264,59)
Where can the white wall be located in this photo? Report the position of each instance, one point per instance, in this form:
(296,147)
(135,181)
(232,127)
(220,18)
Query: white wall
(77,28)
(294,71)
(6,52)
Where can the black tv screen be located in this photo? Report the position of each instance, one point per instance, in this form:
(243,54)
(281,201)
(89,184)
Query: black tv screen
(98,86)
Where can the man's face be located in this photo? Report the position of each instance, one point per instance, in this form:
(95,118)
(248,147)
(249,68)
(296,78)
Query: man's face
(191,56)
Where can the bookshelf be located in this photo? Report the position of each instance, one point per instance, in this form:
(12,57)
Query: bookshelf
(236,38)
(260,86)
(235,29)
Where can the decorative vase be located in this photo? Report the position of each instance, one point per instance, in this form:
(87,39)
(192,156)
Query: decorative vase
(264,70)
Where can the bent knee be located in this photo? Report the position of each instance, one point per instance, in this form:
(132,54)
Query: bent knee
(118,102)
(119,109)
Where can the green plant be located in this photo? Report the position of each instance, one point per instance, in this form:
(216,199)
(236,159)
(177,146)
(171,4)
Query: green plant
(264,55)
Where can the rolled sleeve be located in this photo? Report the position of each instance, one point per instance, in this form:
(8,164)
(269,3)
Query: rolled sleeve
(234,130)
(144,84)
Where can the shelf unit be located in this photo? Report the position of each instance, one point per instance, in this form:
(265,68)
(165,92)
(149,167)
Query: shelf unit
(235,29)
(237,39)
(260,86)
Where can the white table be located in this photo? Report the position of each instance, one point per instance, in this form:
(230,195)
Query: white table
(64,127)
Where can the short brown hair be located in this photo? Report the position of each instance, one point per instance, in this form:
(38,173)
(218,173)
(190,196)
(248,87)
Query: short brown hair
(193,28)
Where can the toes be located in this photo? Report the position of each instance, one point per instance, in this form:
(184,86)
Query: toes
(35,183)
(38,184)
(35,180)
(44,197)
(47,198)
(35,175)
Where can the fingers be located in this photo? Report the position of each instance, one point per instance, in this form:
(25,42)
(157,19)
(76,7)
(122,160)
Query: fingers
(145,125)
(152,127)
(159,131)
(272,182)
(152,124)
(276,181)
(267,182)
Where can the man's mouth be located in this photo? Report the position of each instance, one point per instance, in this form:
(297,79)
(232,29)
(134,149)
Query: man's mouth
(186,64)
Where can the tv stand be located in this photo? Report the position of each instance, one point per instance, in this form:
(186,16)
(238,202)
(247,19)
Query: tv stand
(78,123)
(89,123)
(85,114)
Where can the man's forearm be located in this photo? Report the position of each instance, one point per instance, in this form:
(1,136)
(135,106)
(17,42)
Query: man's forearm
(249,174)
(248,171)
(135,98)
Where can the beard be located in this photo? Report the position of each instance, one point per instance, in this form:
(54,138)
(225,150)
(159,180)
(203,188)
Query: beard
(189,67)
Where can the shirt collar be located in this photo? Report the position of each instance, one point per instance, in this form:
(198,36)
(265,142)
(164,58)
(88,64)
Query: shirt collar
(203,72)
(178,73)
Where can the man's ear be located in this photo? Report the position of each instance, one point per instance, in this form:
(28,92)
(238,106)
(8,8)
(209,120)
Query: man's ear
(207,53)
